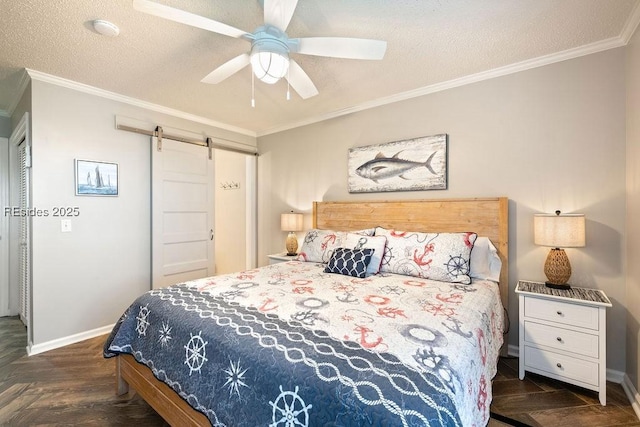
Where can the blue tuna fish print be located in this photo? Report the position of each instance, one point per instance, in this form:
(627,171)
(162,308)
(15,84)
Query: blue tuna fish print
(382,167)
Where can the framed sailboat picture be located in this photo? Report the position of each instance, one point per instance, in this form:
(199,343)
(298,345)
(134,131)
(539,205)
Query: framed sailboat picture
(95,178)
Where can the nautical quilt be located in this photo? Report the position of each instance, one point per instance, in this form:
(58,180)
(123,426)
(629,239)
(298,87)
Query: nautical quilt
(290,345)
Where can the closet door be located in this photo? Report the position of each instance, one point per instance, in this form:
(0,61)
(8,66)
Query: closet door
(24,275)
(4,227)
(182,212)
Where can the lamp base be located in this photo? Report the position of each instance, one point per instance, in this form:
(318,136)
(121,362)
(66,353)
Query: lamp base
(291,244)
(557,268)
(564,287)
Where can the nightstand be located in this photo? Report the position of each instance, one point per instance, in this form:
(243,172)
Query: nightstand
(563,334)
(281,257)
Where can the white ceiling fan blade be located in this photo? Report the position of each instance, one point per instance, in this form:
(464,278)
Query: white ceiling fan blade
(341,47)
(300,81)
(187,18)
(279,12)
(227,69)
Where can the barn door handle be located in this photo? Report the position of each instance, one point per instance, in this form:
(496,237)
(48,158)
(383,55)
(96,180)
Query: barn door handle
(211,234)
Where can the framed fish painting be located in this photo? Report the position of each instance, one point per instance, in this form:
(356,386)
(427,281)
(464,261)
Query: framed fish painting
(408,165)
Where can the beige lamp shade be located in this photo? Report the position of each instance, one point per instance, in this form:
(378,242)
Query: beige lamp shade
(291,222)
(558,231)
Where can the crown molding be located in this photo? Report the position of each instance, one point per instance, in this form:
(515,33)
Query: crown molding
(631,25)
(628,30)
(19,91)
(81,87)
(517,67)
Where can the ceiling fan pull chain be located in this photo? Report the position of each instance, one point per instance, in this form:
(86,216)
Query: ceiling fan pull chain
(253,91)
(288,86)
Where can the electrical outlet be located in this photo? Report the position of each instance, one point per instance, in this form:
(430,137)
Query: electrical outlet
(65,225)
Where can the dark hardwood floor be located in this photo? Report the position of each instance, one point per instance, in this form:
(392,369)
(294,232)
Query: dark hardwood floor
(540,402)
(71,386)
(75,386)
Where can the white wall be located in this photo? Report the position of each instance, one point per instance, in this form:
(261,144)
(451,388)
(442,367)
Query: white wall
(548,138)
(633,209)
(85,279)
(230,212)
(5,126)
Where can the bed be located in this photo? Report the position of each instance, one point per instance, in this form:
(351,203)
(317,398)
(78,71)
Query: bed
(295,345)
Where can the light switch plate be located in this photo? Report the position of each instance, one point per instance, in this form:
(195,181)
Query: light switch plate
(65,225)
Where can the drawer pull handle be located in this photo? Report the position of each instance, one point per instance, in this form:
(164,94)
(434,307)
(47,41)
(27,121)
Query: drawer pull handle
(559,339)
(559,313)
(559,365)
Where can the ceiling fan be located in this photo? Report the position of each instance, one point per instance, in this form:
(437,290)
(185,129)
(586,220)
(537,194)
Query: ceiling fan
(270,46)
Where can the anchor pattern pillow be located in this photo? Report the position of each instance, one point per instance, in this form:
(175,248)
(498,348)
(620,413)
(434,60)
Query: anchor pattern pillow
(437,256)
(318,244)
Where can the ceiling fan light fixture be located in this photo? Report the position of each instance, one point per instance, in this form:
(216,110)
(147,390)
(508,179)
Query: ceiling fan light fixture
(269,67)
(269,55)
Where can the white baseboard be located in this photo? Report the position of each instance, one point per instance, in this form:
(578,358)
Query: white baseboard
(71,339)
(615,376)
(632,395)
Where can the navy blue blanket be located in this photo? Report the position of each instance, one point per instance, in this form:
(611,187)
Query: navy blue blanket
(242,367)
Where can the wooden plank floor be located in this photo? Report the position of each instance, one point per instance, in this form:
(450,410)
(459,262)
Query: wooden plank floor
(69,386)
(75,385)
(540,402)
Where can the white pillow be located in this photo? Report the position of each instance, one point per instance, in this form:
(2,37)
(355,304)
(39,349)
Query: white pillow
(485,261)
(377,243)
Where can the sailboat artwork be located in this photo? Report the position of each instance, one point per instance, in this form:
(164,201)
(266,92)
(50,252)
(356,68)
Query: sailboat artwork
(95,178)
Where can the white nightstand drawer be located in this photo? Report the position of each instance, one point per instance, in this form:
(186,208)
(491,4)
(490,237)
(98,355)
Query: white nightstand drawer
(563,313)
(276,258)
(565,366)
(563,339)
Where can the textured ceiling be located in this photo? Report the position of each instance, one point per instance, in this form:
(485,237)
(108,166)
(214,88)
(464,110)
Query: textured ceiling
(429,42)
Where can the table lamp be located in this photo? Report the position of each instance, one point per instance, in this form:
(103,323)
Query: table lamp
(291,222)
(558,231)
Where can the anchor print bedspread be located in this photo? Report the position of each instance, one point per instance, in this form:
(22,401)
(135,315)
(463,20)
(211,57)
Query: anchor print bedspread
(290,345)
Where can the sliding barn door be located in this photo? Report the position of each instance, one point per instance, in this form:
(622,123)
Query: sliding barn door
(182,210)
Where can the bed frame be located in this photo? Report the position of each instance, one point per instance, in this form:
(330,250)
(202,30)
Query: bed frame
(486,216)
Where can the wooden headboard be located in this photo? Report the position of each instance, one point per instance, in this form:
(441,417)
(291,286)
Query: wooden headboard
(485,216)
